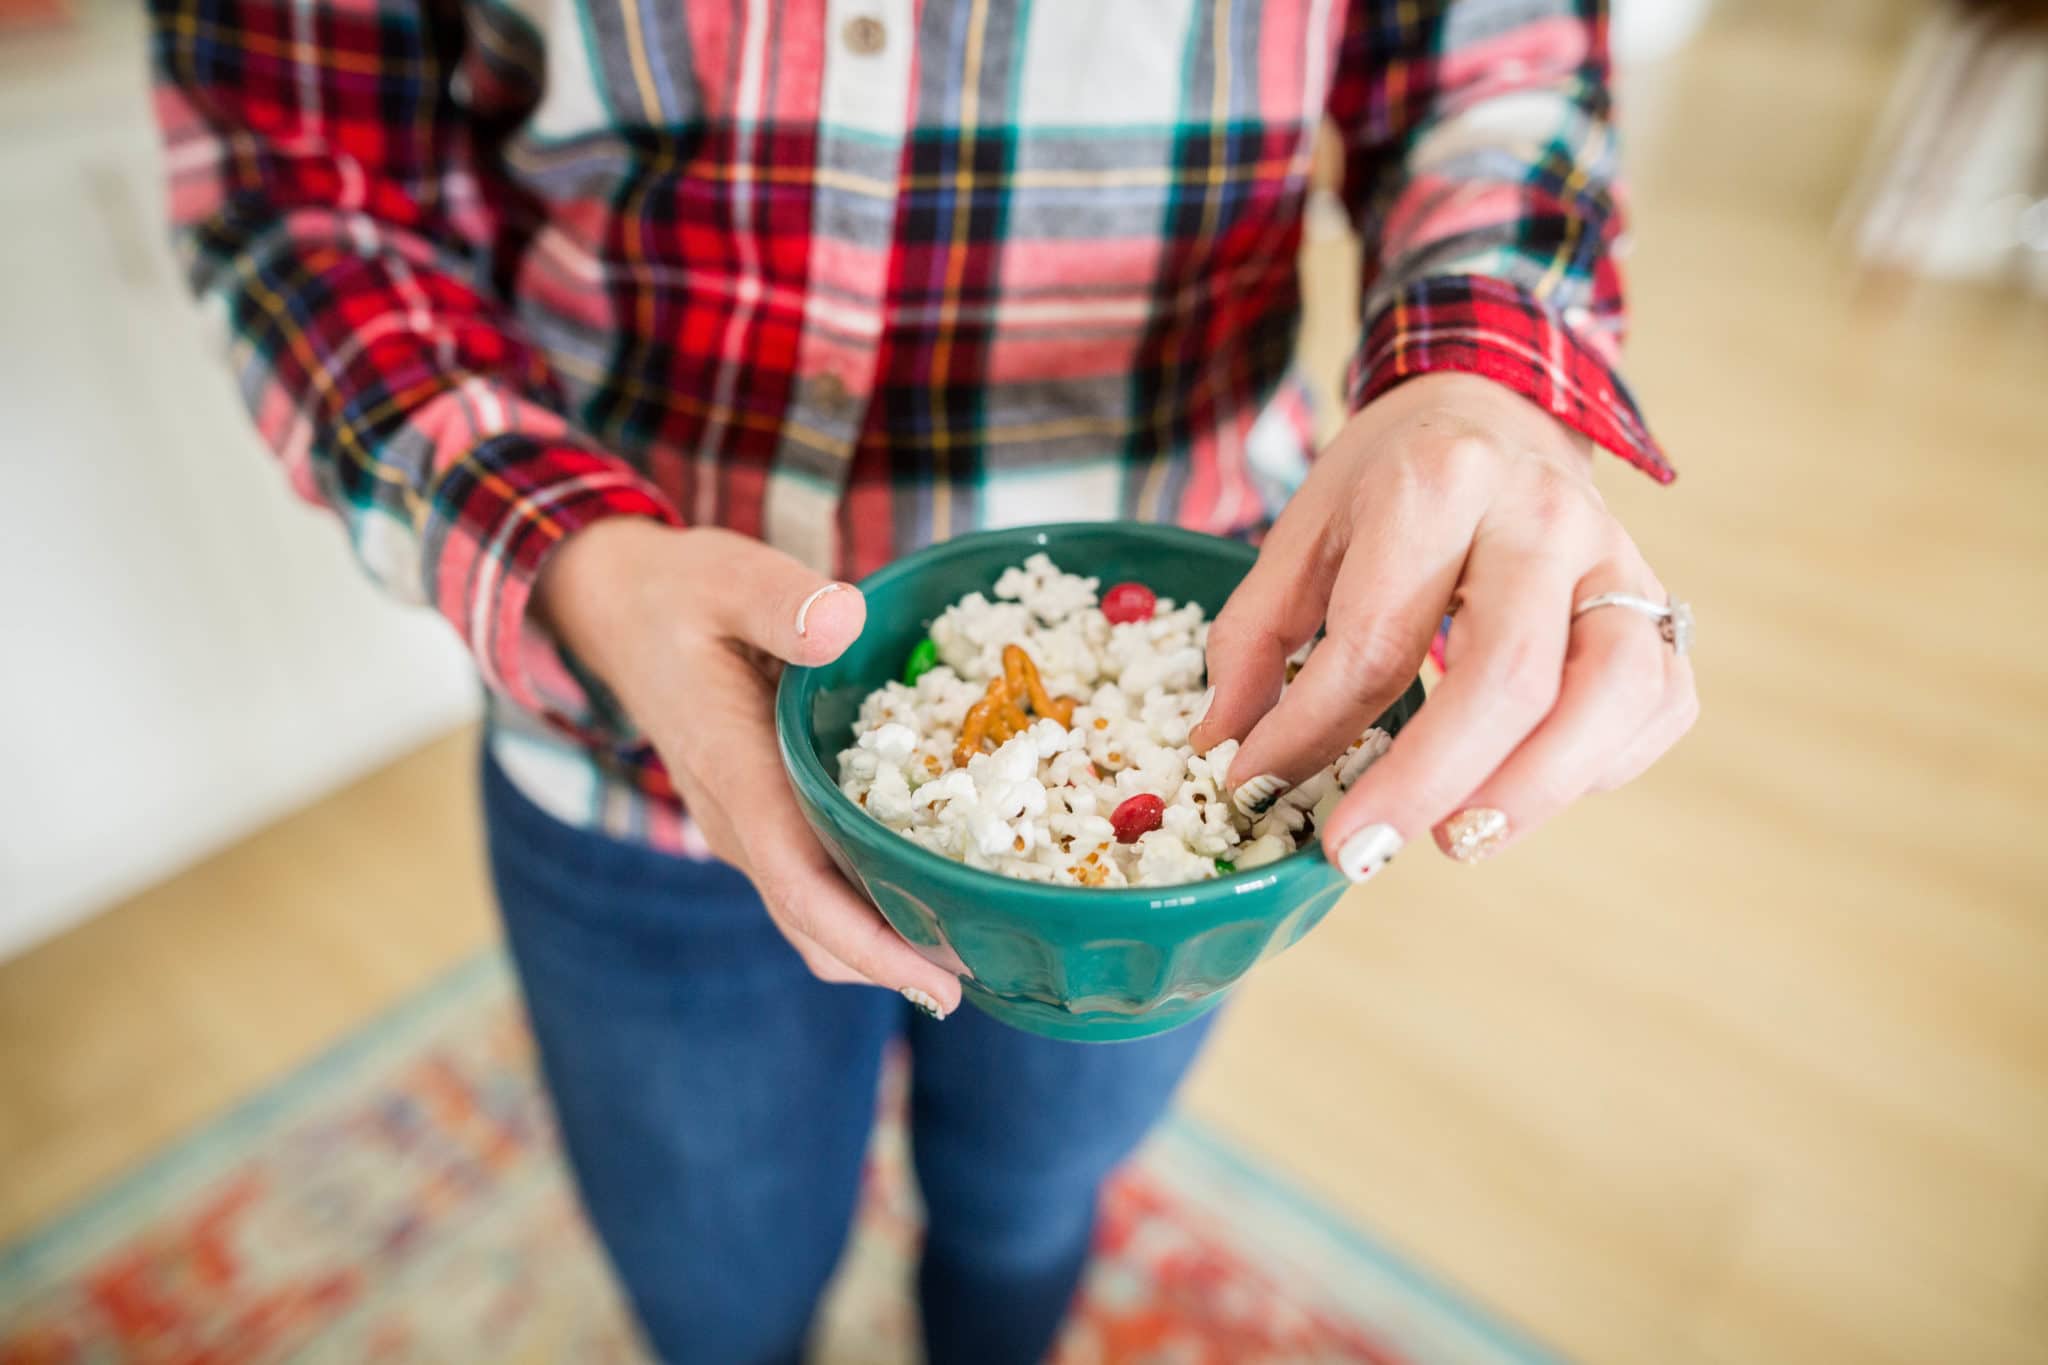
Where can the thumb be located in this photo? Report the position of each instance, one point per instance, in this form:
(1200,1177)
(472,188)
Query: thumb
(782,608)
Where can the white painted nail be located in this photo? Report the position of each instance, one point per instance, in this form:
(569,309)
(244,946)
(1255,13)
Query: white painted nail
(923,1003)
(1202,708)
(1367,851)
(803,611)
(1256,797)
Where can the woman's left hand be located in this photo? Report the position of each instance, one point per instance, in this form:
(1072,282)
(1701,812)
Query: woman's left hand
(1453,493)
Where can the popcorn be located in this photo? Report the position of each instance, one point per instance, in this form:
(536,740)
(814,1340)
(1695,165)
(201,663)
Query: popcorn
(1164,860)
(893,743)
(1282,819)
(1205,828)
(1155,769)
(1037,805)
(889,797)
(1267,848)
(1050,595)
(1179,670)
(1363,755)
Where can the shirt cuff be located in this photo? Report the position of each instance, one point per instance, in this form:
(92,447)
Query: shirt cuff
(492,522)
(1475,324)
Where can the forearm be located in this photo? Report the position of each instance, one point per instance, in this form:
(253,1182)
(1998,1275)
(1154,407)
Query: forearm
(338,245)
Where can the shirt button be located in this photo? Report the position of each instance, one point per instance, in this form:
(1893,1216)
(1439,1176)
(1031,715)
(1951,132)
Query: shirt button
(828,394)
(864,35)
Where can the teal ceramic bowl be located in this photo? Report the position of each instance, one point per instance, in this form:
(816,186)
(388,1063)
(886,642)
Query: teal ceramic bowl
(1066,962)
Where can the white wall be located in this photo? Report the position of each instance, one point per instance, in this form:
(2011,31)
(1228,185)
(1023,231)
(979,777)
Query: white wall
(186,651)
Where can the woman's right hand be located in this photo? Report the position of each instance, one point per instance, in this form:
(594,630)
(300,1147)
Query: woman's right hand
(689,629)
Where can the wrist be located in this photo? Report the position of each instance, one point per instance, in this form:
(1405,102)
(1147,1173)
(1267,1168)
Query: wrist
(589,594)
(1457,405)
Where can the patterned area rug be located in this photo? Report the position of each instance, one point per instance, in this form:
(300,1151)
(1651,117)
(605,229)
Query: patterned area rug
(401,1200)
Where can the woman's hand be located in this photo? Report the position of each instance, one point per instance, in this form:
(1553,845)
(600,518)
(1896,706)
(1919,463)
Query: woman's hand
(689,628)
(1450,492)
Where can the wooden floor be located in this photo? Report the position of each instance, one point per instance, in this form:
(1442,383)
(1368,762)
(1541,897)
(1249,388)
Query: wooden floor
(1746,1064)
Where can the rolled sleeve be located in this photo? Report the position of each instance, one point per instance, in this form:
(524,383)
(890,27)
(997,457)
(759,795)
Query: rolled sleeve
(1476,324)
(493,519)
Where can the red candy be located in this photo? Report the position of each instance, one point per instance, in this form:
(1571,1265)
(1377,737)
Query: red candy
(1127,602)
(1141,814)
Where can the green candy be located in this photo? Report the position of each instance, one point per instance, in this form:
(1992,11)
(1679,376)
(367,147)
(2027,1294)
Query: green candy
(922,660)
(1224,867)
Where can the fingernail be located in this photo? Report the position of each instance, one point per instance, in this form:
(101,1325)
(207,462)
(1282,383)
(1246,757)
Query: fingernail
(923,1003)
(1256,797)
(1367,851)
(803,611)
(1476,834)
(1202,708)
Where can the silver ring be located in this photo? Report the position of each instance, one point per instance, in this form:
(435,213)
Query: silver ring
(1673,618)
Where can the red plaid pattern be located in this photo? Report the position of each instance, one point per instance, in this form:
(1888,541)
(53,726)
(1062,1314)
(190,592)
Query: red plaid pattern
(495,269)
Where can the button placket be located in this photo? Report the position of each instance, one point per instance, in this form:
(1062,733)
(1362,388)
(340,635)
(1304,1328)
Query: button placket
(865,106)
(868,92)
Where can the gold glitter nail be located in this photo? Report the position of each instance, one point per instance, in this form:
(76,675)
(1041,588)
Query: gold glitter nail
(1476,834)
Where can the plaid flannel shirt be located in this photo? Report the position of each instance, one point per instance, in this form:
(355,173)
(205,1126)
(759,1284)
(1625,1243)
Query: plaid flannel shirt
(849,275)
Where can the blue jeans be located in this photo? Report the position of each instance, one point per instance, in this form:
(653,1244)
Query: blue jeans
(715,1100)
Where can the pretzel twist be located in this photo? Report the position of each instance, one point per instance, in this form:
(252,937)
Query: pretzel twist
(1019,668)
(999,715)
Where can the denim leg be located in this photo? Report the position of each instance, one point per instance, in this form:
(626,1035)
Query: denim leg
(714,1098)
(1012,1135)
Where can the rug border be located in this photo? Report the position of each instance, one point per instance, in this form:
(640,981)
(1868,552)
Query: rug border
(206,1138)
(242,1118)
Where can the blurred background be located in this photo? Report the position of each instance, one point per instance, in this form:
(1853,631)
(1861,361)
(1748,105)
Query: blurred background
(1746,1063)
